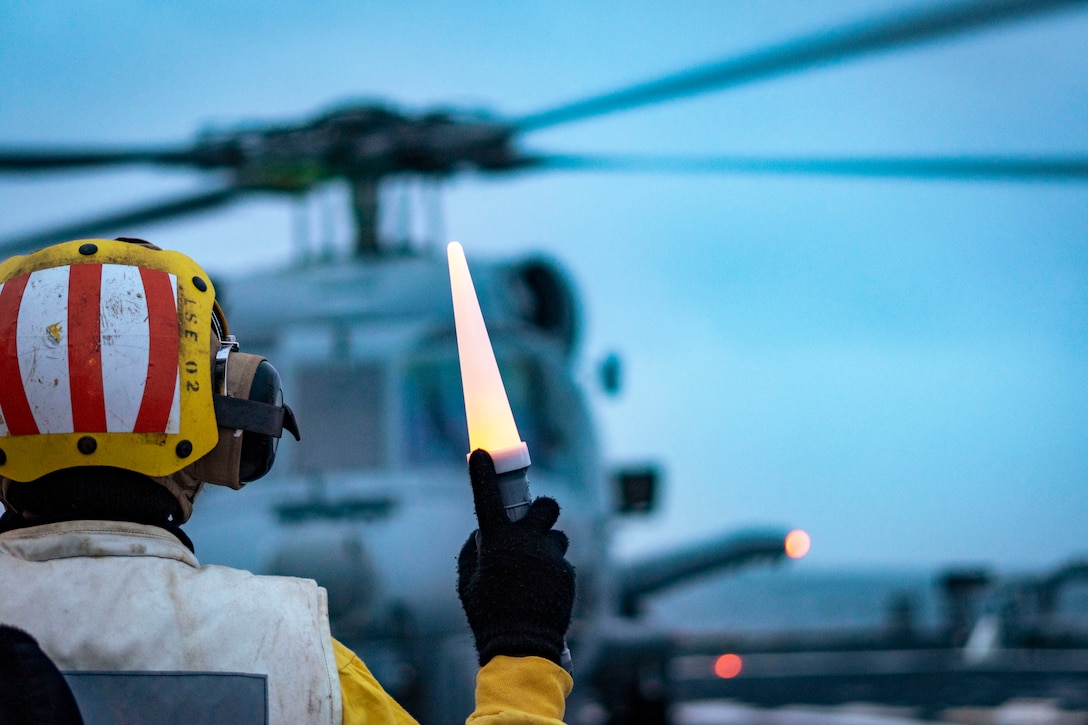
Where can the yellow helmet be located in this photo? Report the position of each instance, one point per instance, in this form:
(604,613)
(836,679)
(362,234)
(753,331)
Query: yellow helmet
(106,359)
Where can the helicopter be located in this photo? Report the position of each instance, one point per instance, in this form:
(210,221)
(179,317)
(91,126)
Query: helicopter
(366,343)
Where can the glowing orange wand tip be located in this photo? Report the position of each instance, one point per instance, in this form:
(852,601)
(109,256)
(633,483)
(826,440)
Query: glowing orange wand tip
(490,421)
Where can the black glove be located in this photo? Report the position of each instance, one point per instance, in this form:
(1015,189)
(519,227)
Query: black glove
(515,586)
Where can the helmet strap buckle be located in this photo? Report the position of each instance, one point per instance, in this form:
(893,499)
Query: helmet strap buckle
(227,345)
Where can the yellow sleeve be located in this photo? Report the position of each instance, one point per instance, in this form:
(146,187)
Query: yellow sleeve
(521,690)
(365,702)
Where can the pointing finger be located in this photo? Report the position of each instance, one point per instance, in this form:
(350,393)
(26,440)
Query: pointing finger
(485,491)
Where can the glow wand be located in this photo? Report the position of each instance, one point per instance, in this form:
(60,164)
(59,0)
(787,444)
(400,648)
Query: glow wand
(490,421)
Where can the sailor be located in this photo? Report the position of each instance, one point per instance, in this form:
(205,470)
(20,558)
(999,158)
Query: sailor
(122,393)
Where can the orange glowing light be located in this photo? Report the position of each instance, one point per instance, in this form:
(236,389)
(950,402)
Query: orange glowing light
(490,421)
(728,666)
(797,544)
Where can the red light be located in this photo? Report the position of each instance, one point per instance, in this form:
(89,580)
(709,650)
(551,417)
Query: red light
(727,666)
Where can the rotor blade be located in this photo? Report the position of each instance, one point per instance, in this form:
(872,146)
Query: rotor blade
(822,48)
(982,168)
(23,159)
(141,215)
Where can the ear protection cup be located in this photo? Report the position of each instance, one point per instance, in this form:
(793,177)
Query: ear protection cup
(251,417)
(259,449)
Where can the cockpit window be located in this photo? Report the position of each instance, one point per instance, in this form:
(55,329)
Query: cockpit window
(435,429)
(341,412)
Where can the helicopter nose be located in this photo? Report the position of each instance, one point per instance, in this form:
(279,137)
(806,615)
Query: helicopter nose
(338,560)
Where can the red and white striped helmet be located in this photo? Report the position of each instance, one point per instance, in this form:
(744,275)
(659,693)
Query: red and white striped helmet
(105,360)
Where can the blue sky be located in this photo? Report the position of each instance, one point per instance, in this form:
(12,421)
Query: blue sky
(901,367)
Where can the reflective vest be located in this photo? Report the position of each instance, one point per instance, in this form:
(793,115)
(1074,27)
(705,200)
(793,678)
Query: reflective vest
(126,611)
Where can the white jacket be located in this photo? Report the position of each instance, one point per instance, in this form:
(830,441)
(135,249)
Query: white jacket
(105,596)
